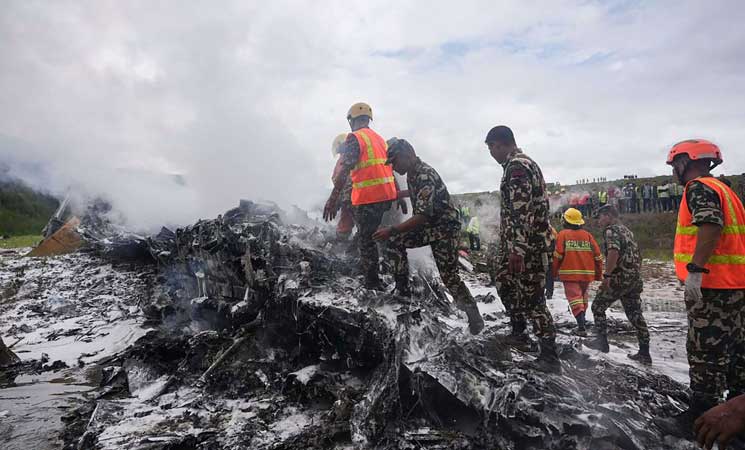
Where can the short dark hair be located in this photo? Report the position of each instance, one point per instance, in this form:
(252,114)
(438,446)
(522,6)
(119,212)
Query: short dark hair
(501,134)
(609,210)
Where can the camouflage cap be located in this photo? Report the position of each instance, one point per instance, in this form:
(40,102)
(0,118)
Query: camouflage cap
(396,146)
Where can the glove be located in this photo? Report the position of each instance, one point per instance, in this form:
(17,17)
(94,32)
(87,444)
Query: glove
(693,287)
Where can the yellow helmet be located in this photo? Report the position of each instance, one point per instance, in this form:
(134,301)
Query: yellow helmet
(359,109)
(573,216)
(338,140)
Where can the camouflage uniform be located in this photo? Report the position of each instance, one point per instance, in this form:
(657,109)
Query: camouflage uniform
(367,218)
(430,198)
(625,282)
(525,230)
(716,323)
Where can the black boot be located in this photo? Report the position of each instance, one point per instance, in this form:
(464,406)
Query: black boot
(373,283)
(642,355)
(681,425)
(402,286)
(548,359)
(475,321)
(581,329)
(599,343)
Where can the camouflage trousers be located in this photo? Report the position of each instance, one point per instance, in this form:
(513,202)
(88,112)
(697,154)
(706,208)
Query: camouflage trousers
(444,243)
(629,293)
(368,218)
(523,299)
(716,343)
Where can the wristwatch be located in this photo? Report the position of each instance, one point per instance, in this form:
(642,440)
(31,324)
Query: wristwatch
(695,268)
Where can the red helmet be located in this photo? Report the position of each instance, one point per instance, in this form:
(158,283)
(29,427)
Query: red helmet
(696,149)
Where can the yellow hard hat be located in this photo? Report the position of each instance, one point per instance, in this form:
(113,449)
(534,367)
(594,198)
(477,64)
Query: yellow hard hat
(359,109)
(573,216)
(338,140)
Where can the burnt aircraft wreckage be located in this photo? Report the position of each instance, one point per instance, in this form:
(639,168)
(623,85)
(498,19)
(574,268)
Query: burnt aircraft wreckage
(261,337)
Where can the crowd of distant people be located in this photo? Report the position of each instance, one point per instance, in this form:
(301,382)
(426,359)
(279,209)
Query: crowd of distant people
(628,196)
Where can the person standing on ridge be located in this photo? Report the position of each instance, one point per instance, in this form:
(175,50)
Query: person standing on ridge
(577,262)
(622,281)
(709,259)
(525,239)
(434,222)
(373,187)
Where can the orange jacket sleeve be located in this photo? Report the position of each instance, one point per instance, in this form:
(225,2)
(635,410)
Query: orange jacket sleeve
(558,254)
(598,258)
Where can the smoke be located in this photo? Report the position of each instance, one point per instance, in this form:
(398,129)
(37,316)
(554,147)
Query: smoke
(167,130)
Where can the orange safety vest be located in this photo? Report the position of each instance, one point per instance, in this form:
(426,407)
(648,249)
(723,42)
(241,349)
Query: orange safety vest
(577,256)
(372,179)
(727,263)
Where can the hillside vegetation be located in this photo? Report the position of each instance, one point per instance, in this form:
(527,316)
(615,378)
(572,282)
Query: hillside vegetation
(22,210)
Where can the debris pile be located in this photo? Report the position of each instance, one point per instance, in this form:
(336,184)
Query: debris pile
(262,338)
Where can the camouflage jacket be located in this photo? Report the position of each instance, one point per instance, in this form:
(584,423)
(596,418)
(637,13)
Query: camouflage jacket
(628,268)
(430,197)
(525,209)
(703,203)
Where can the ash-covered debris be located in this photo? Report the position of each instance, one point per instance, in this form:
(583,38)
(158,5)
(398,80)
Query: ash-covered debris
(265,339)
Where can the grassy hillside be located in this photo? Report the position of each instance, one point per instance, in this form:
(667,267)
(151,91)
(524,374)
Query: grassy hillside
(22,210)
(654,232)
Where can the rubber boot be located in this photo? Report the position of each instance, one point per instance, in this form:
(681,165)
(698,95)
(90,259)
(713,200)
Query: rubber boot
(402,287)
(548,359)
(475,321)
(642,355)
(681,425)
(599,343)
(519,338)
(581,328)
(373,283)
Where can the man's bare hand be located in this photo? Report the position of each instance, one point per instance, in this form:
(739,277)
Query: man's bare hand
(329,211)
(383,234)
(402,206)
(721,423)
(516,263)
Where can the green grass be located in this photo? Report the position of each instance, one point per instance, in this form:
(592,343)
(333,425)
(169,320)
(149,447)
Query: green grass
(23,211)
(654,232)
(20,241)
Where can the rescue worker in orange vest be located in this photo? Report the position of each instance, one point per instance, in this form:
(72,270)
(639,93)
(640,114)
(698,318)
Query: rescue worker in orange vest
(345,225)
(577,262)
(710,260)
(374,188)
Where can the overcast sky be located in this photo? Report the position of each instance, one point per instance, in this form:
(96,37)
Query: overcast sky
(244,98)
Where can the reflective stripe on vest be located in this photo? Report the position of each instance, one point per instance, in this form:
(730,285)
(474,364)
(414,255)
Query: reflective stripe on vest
(372,179)
(727,264)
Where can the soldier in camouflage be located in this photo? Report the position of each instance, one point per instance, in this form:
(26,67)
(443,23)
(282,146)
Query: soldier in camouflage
(622,281)
(716,317)
(525,240)
(434,222)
